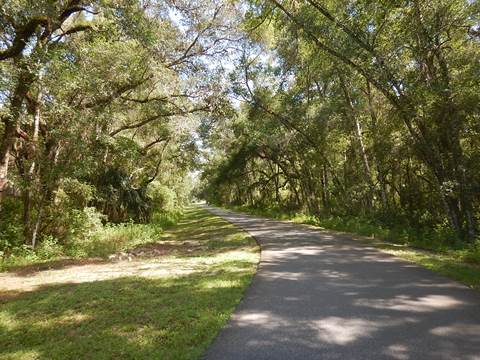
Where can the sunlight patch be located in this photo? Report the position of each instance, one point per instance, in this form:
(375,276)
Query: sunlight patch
(264,319)
(7,321)
(397,351)
(343,331)
(406,303)
(457,330)
(214,284)
(73,318)
(24,355)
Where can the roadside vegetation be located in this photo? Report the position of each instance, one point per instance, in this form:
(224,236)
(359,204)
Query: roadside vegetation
(361,116)
(168,303)
(88,234)
(100,102)
(460,262)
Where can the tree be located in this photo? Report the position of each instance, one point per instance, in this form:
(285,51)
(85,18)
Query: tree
(378,108)
(106,95)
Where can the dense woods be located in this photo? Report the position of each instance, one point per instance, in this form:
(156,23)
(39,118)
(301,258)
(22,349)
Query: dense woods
(365,109)
(99,102)
(336,109)
(134,134)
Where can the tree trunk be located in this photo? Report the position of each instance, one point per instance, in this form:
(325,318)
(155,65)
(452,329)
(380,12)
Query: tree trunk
(361,145)
(8,141)
(11,122)
(30,153)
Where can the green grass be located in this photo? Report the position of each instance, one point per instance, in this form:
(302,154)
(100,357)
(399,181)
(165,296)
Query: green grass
(461,264)
(100,241)
(451,263)
(139,317)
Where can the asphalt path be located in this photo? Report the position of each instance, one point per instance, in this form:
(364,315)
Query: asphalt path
(324,295)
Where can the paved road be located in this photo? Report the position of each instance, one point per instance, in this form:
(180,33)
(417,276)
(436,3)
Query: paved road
(318,295)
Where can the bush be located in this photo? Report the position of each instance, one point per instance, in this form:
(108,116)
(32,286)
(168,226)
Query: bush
(68,217)
(11,229)
(85,223)
(86,236)
(166,219)
(75,193)
(163,199)
(20,255)
(83,229)
(49,248)
(114,238)
(472,254)
(97,240)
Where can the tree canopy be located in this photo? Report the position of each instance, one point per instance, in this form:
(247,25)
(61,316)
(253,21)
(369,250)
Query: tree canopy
(356,108)
(333,108)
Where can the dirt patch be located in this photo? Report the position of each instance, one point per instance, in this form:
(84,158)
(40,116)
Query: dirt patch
(153,250)
(150,260)
(12,284)
(56,264)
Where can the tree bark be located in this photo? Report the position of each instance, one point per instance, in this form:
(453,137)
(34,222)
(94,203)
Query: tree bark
(11,122)
(361,145)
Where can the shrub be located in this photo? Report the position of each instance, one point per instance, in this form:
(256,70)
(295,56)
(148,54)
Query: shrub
(49,248)
(75,193)
(83,229)
(85,223)
(472,254)
(165,220)
(163,199)
(11,229)
(114,238)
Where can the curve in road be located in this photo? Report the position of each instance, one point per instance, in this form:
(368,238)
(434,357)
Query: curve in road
(319,295)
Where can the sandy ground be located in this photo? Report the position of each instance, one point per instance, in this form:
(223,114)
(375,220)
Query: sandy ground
(143,262)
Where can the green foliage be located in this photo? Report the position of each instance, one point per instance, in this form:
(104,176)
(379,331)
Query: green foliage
(81,231)
(163,198)
(472,254)
(166,219)
(139,316)
(106,101)
(19,256)
(114,238)
(75,194)
(120,200)
(88,237)
(49,249)
(85,223)
(11,230)
(69,222)
(360,114)
(429,239)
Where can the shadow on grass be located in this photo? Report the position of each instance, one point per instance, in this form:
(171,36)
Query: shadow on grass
(126,318)
(27,270)
(197,233)
(135,317)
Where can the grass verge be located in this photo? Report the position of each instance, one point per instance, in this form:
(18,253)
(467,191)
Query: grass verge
(171,308)
(461,264)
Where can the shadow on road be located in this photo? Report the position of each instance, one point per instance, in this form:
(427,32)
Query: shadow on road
(319,295)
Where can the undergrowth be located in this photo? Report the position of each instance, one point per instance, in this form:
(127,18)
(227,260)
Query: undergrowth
(96,241)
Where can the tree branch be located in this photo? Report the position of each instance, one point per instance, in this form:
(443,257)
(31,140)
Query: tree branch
(155,117)
(22,36)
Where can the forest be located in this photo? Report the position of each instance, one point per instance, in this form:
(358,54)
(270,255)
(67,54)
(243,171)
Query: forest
(118,112)
(356,111)
(149,148)
(100,102)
